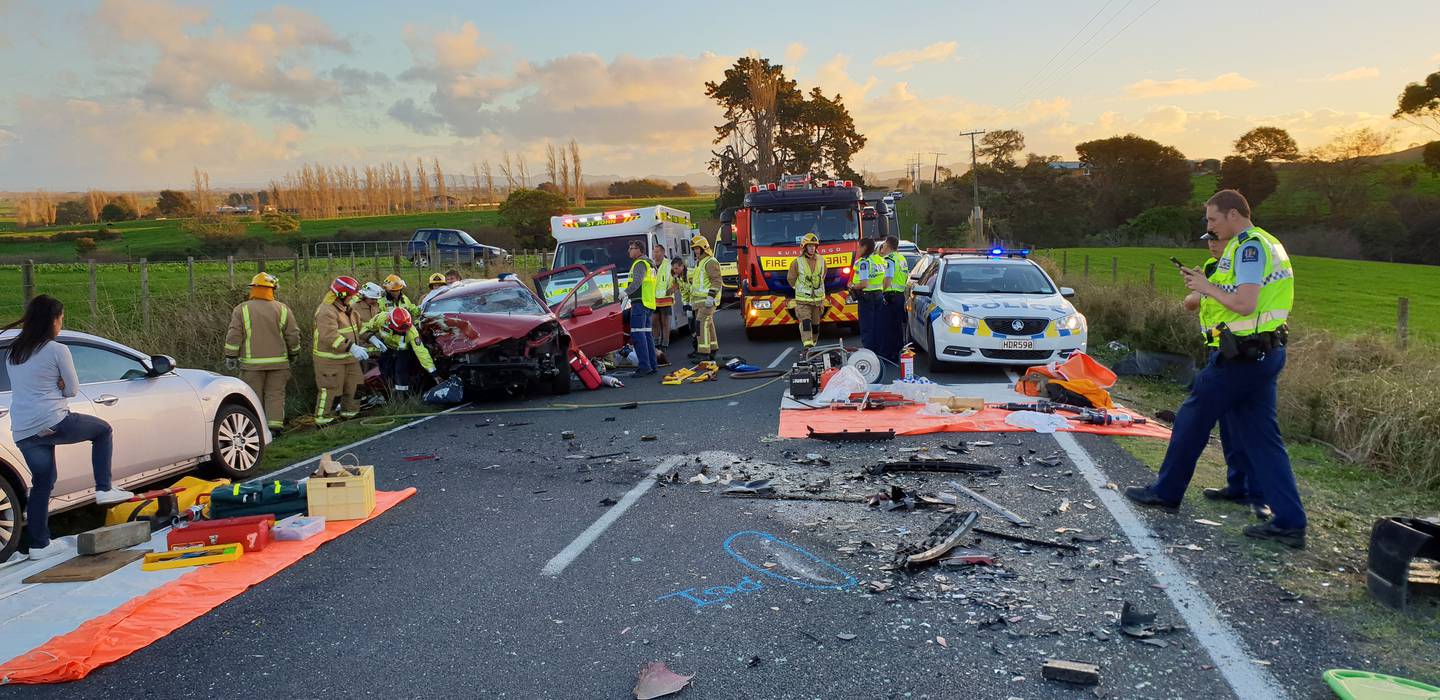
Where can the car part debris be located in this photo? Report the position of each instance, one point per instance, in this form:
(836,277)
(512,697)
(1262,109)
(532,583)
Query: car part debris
(946,467)
(1017,520)
(866,435)
(895,498)
(1140,625)
(940,540)
(1075,672)
(845,636)
(703,478)
(962,556)
(759,487)
(1363,684)
(657,680)
(607,501)
(649,438)
(1026,540)
(982,443)
(1394,545)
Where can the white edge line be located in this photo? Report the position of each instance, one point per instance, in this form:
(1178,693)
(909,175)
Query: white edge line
(578,546)
(1225,647)
(780,357)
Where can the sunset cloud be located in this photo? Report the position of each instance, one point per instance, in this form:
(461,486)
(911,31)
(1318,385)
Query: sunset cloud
(1229,82)
(909,58)
(1352,74)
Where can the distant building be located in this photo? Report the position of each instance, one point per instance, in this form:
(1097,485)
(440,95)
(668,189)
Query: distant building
(1070,166)
(228,209)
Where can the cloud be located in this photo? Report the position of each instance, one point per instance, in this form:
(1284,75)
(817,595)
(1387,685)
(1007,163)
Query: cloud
(1229,82)
(1352,74)
(909,58)
(455,51)
(794,52)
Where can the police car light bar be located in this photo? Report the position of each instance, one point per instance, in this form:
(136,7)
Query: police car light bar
(996,252)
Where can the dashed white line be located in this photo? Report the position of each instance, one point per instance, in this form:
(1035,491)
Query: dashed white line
(779,358)
(578,546)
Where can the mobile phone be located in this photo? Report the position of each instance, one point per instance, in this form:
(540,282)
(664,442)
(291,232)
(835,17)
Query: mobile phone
(1177,262)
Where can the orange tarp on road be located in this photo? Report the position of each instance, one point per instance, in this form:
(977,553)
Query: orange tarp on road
(906,420)
(138,623)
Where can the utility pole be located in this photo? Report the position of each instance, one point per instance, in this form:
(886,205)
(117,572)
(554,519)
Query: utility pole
(935,174)
(976,215)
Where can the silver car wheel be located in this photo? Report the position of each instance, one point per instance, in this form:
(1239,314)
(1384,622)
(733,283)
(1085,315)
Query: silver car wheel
(238,440)
(9,520)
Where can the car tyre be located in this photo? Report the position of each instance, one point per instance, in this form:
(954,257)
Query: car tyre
(560,383)
(11,517)
(422,260)
(933,363)
(236,442)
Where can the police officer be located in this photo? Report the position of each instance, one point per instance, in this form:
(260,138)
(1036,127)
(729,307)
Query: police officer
(641,290)
(897,278)
(1249,299)
(807,278)
(865,285)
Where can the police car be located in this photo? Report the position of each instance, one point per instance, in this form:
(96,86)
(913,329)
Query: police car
(991,306)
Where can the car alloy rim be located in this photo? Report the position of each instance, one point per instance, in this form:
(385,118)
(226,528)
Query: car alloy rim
(239,440)
(9,516)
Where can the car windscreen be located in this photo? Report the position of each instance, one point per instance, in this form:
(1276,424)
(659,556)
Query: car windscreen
(503,300)
(994,278)
(788,226)
(725,253)
(596,253)
(467,239)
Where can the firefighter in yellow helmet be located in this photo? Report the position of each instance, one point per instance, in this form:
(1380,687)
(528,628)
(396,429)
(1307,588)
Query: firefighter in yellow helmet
(395,297)
(338,350)
(436,283)
(807,280)
(705,287)
(262,341)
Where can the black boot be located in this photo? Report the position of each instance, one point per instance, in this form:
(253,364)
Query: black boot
(1148,498)
(1294,538)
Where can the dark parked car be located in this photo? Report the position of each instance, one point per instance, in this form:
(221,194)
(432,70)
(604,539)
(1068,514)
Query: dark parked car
(448,242)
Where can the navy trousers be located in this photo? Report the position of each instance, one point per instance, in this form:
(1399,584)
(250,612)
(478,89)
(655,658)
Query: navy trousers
(1237,463)
(1244,392)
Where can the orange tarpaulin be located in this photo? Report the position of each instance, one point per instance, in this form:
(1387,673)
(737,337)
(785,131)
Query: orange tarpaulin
(138,623)
(906,420)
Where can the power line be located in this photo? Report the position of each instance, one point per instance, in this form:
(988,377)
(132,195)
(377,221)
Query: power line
(1116,34)
(1050,80)
(1027,83)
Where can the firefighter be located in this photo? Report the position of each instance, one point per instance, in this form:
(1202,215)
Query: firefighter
(395,296)
(641,290)
(807,278)
(436,283)
(679,280)
(897,278)
(396,338)
(338,351)
(866,285)
(705,288)
(367,303)
(664,302)
(262,342)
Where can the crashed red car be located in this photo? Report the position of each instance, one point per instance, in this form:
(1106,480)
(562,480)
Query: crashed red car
(499,335)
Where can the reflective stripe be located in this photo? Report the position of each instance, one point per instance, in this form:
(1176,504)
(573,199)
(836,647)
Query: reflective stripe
(235,491)
(245,314)
(232,347)
(1250,324)
(339,340)
(321,403)
(639,330)
(277,486)
(264,360)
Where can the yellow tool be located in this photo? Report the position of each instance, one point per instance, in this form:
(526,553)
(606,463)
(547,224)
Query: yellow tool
(680,375)
(193,556)
(705,372)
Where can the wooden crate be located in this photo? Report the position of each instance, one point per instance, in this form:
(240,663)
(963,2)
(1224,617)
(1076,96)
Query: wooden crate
(343,497)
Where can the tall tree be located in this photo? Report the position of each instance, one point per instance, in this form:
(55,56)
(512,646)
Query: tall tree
(1132,174)
(1253,177)
(1343,170)
(507,170)
(1419,103)
(173,203)
(440,189)
(575,174)
(1267,143)
(489,181)
(552,164)
(1000,146)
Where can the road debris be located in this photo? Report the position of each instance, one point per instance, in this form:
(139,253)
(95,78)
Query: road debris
(1211,523)
(607,501)
(418,458)
(948,467)
(1026,540)
(1141,625)
(1017,520)
(567,435)
(1076,672)
(941,641)
(961,556)
(657,680)
(866,435)
(940,540)
(759,487)
(845,636)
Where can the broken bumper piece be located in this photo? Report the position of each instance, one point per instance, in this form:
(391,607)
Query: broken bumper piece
(1395,544)
(852,436)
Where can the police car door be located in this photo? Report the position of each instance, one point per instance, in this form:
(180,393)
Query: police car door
(918,311)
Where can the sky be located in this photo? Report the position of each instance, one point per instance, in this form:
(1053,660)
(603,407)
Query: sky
(135,94)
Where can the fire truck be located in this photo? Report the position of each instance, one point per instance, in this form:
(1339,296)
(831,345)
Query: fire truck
(768,229)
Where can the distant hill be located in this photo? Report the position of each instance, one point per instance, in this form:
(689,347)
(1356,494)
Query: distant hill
(1405,157)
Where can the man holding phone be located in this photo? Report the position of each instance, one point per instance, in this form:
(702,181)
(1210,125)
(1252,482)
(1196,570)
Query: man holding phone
(1250,296)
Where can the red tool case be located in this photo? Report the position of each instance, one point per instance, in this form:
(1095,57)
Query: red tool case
(250,531)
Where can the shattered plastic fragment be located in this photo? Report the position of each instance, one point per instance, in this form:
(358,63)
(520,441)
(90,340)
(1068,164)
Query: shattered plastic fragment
(656,680)
(845,636)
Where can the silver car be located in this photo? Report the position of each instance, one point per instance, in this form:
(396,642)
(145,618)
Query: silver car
(165,420)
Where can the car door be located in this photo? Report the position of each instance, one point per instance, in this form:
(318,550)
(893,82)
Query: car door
(920,306)
(592,314)
(449,241)
(72,461)
(157,421)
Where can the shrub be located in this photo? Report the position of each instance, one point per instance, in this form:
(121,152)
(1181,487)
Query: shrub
(281,223)
(218,235)
(118,210)
(84,246)
(1178,224)
(529,212)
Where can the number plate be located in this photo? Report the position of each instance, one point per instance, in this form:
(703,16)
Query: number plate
(1017,344)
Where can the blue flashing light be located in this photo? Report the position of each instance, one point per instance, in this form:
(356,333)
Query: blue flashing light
(996,251)
(1025,251)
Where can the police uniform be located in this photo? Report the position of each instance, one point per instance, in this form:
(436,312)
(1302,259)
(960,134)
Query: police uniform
(642,314)
(899,270)
(1238,484)
(1239,380)
(870,273)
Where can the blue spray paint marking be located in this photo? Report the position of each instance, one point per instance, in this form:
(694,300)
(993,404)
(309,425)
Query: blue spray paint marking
(848,580)
(720,594)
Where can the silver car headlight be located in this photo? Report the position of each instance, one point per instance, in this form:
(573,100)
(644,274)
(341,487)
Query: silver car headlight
(957,320)
(1075,323)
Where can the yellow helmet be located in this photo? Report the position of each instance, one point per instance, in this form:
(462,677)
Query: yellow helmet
(264,279)
(437,278)
(810,239)
(700,242)
(393,283)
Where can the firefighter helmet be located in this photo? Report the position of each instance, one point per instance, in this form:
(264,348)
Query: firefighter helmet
(810,239)
(436,278)
(264,279)
(700,242)
(393,283)
(399,320)
(344,287)
(372,291)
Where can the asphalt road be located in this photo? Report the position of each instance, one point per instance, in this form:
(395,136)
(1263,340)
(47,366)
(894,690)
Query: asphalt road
(448,595)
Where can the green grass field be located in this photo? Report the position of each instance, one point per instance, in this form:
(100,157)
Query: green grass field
(1348,297)
(1291,199)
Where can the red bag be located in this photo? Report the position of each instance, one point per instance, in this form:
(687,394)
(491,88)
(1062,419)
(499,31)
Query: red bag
(583,369)
(250,531)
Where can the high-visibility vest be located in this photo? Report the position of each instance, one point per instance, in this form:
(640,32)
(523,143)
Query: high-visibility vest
(647,281)
(875,280)
(810,282)
(662,285)
(900,273)
(699,281)
(1277,286)
(1208,306)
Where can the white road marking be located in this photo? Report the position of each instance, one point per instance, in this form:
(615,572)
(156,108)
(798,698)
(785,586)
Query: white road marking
(578,546)
(776,362)
(1226,648)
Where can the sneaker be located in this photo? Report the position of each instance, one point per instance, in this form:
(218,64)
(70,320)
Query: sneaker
(1226,494)
(55,548)
(1148,498)
(113,495)
(1290,537)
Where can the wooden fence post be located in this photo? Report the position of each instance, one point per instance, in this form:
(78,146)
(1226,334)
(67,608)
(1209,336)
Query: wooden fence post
(190,270)
(433,254)
(329,263)
(352,262)
(27,280)
(1402,322)
(1152,275)
(144,294)
(305,249)
(230,269)
(94,302)
(1064,262)
(1086,274)
(396,261)
(260,264)
(297,268)
(1114,270)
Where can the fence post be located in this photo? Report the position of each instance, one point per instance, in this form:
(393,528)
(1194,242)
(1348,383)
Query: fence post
(377,265)
(434,253)
(396,261)
(190,271)
(329,263)
(230,269)
(1064,262)
(144,294)
(260,265)
(94,302)
(306,250)
(297,268)
(1087,267)
(1402,322)
(352,262)
(27,280)
(1114,270)
(1152,275)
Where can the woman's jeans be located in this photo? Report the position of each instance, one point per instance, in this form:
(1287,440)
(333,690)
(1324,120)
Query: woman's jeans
(39,453)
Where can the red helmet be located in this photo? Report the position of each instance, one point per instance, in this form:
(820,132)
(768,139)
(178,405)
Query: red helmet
(399,320)
(344,287)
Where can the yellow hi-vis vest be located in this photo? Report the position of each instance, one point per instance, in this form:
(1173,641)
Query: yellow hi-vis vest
(662,285)
(1277,287)
(899,273)
(875,281)
(810,281)
(699,282)
(647,282)
(1208,306)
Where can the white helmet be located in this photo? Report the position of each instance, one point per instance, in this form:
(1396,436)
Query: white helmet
(372,291)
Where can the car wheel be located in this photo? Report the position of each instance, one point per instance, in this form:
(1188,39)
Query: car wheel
(933,362)
(560,383)
(422,260)
(236,440)
(10,519)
